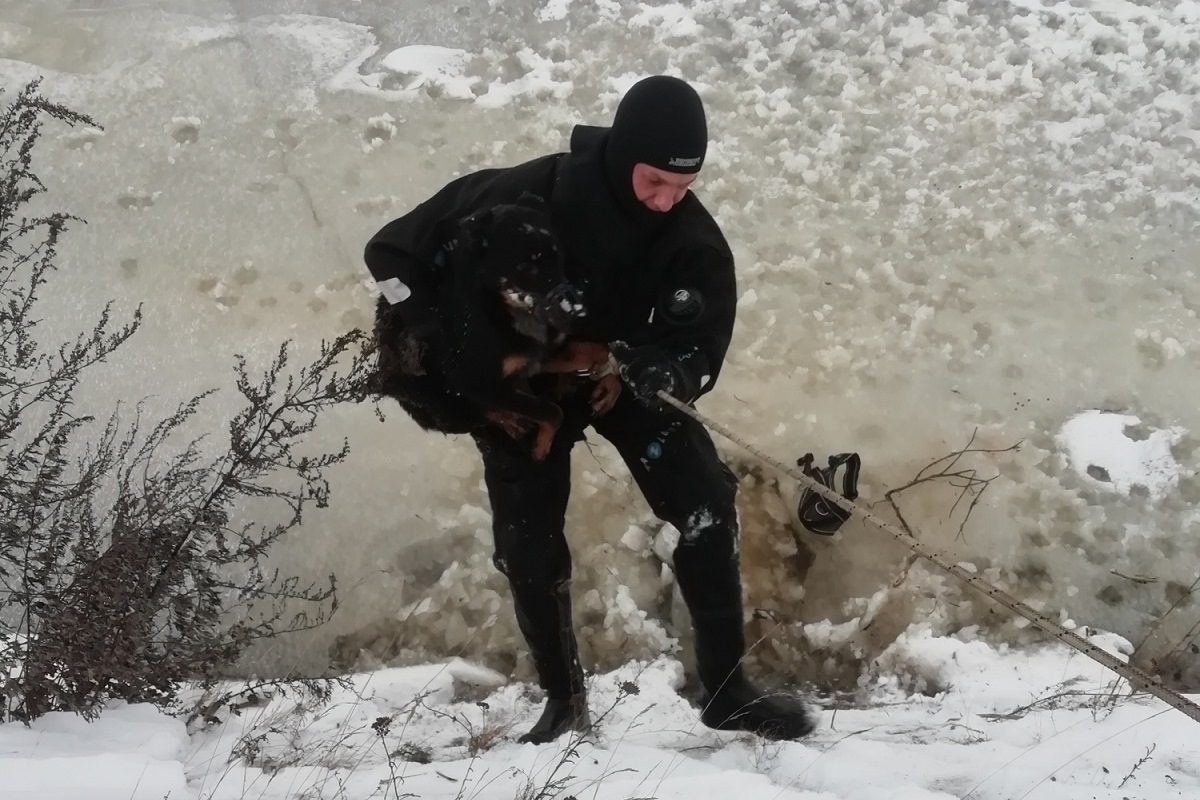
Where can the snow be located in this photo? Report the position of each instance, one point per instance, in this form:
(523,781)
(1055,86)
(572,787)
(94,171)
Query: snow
(130,753)
(425,60)
(419,65)
(1098,440)
(992,723)
(951,220)
(554,10)
(668,21)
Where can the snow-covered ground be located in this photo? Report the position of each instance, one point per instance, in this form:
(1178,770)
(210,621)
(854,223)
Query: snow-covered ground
(971,217)
(1036,723)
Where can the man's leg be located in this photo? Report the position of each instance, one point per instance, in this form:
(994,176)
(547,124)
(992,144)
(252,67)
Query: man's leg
(529,503)
(676,466)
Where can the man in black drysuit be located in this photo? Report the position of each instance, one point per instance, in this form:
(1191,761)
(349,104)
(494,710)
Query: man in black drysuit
(657,278)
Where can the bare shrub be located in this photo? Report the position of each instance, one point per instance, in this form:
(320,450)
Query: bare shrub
(122,569)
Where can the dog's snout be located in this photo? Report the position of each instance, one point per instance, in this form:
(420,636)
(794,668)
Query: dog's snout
(568,300)
(561,307)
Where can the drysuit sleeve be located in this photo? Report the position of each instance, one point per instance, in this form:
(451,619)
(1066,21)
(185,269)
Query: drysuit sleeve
(694,316)
(406,258)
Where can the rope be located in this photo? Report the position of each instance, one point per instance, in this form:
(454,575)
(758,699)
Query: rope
(1134,675)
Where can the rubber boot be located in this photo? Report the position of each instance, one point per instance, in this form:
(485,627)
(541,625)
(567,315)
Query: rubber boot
(559,716)
(546,624)
(731,701)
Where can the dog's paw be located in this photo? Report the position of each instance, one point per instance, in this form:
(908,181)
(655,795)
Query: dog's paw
(605,393)
(544,441)
(511,423)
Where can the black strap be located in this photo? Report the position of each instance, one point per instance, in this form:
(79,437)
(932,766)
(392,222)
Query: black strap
(816,513)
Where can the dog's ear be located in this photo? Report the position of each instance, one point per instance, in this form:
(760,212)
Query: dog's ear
(472,230)
(531,200)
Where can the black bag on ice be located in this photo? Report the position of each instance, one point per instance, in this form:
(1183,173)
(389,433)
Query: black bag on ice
(815,512)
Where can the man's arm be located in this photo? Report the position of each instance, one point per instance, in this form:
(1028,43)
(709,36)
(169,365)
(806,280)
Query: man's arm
(406,257)
(403,256)
(691,329)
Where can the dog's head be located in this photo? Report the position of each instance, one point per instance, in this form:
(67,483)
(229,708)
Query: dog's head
(515,253)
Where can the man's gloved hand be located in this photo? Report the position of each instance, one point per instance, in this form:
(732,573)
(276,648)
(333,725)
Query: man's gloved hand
(647,370)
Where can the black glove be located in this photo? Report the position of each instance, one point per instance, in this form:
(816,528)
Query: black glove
(647,370)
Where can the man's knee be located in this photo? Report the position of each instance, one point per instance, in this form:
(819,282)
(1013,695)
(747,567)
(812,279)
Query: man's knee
(521,553)
(704,509)
(530,545)
(710,527)
(706,557)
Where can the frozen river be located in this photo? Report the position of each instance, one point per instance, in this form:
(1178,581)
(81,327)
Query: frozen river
(951,219)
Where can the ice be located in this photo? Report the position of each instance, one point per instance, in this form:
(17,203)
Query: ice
(542,78)
(554,10)
(950,220)
(636,539)
(668,21)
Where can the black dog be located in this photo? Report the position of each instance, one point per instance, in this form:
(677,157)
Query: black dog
(506,310)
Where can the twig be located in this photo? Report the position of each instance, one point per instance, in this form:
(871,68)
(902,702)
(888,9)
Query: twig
(1041,702)
(1141,761)
(966,480)
(1106,739)
(381,726)
(1158,623)
(1143,579)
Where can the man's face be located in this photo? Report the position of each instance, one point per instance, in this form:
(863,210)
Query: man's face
(658,189)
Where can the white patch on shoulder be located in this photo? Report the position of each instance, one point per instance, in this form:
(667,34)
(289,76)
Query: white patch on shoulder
(704,379)
(395,290)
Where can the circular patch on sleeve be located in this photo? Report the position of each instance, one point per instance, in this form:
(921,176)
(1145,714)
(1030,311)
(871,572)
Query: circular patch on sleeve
(682,306)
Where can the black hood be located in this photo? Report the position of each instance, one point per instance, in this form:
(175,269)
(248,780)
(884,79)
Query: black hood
(660,122)
(587,202)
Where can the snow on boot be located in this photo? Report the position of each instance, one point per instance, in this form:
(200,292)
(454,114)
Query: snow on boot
(740,706)
(558,717)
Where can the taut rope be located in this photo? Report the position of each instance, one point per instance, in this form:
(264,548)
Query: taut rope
(1135,676)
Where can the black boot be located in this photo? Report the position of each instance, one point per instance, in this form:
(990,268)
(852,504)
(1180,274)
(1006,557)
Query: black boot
(558,717)
(731,701)
(546,625)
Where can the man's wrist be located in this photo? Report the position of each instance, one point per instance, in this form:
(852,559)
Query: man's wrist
(648,370)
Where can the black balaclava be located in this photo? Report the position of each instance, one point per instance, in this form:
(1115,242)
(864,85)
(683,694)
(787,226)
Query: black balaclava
(660,121)
(606,231)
